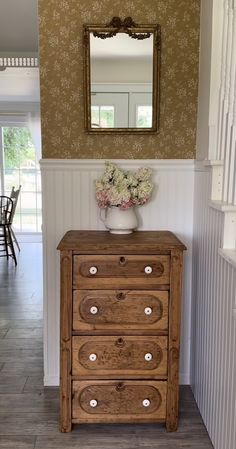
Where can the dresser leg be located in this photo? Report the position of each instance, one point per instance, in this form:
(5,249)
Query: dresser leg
(171,427)
(65,392)
(172,411)
(172,406)
(65,340)
(64,429)
(172,422)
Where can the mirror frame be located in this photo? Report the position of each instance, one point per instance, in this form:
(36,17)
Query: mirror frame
(135,31)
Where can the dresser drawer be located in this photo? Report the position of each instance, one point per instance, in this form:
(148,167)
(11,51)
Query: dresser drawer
(114,401)
(120,310)
(131,356)
(139,272)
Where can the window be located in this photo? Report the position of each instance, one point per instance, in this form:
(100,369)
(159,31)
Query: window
(103,116)
(144,117)
(20,167)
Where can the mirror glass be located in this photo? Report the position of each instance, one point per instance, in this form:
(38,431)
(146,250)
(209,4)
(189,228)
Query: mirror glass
(122,82)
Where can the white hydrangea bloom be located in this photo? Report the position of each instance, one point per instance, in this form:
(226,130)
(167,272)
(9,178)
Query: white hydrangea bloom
(145,189)
(132,180)
(144,173)
(99,185)
(118,176)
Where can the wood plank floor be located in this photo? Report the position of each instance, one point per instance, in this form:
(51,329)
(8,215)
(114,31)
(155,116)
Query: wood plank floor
(29,412)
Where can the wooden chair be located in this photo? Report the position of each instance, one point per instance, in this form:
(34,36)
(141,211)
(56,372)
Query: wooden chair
(6,213)
(14,196)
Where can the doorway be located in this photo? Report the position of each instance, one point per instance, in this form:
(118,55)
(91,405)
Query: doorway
(20,167)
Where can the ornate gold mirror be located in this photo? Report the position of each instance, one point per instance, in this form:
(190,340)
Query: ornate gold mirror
(122,74)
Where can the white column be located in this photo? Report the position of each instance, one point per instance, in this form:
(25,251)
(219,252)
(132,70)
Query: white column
(223,75)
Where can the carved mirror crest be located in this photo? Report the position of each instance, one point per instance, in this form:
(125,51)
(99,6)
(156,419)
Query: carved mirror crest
(122,77)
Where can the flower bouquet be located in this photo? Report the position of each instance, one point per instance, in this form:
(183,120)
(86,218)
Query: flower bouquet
(120,190)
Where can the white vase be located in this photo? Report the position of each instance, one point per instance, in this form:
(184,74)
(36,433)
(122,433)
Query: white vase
(119,221)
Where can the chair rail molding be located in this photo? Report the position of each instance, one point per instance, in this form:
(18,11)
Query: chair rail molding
(132,164)
(68,202)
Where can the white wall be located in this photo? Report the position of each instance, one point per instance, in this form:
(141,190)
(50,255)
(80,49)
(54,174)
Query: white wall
(69,203)
(121,70)
(213,320)
(213,345)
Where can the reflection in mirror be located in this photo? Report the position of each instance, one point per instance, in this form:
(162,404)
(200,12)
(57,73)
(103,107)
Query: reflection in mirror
(122,79)
(122,67)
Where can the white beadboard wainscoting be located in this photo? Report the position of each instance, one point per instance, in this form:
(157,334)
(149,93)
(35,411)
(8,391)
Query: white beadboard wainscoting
(69,203)
(213,320)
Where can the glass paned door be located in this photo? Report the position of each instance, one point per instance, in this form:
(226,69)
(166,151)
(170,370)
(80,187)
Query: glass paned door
(21,168)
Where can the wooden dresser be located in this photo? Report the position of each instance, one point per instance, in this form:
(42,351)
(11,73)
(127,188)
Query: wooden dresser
(120,317)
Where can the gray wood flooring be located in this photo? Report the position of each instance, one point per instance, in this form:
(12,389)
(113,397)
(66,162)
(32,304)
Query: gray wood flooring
(28,411)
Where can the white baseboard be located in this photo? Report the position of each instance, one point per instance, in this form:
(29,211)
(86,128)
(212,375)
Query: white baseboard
(51,381)
(184,379)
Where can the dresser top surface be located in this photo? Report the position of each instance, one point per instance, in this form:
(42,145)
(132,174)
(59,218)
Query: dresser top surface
(92,242)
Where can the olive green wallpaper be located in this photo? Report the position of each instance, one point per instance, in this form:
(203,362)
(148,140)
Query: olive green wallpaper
(61,73)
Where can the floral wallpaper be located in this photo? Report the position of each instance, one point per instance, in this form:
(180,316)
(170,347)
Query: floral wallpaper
(61,67)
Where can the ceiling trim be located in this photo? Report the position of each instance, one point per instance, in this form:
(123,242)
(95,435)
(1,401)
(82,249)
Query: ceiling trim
(28,60)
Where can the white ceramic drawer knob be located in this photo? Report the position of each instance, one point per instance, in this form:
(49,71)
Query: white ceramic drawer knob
(93,270)
(92,357)
(148,357)
(148,270)
(93,403)
(93,310)
(148,311)
(146,403)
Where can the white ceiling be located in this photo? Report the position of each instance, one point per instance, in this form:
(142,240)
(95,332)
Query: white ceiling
(18,26)
(119,46)
(19,85)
